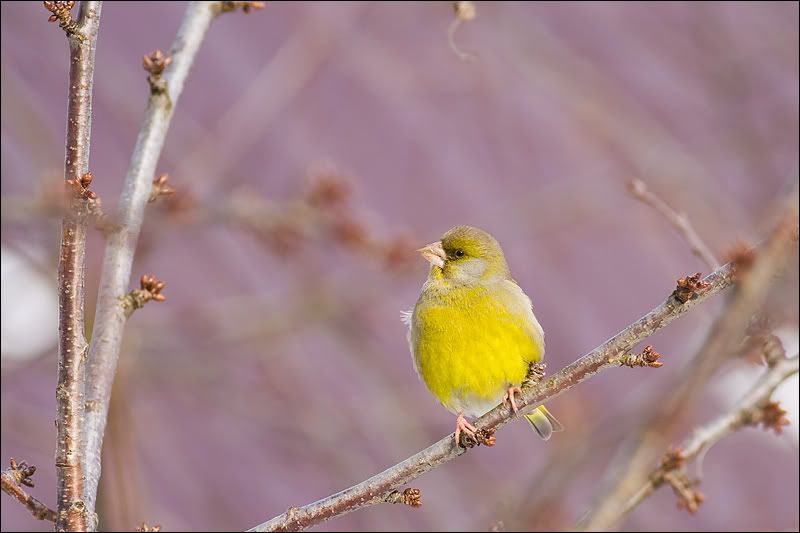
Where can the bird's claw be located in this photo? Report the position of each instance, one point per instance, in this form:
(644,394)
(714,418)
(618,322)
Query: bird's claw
(466,427)
(509,397)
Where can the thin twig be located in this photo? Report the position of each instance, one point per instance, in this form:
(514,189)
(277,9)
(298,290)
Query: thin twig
(20,474)
(639,190)
(605,356)
(636,455)
(743,413)
(72,344)
(110,315)
(465,12)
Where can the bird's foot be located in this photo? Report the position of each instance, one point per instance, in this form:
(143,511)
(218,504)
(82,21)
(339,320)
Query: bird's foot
(509,397)
(466,427)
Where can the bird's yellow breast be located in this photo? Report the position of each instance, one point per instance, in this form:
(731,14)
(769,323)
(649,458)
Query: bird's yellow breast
(470,343)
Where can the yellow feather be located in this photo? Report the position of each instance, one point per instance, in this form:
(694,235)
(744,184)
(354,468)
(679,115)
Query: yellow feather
(471,344)
(473,333)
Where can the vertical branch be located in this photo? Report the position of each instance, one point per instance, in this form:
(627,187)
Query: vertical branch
(110,315)
(71,339)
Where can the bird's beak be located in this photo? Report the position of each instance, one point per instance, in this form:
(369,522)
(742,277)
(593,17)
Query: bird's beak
(434,253)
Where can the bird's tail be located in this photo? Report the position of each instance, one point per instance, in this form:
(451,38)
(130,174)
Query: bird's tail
(544,423)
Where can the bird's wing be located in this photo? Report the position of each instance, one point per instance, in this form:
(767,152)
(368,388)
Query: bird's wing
(519,302)
(405,317)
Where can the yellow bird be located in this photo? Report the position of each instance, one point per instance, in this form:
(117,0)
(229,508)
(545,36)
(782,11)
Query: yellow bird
(473,333)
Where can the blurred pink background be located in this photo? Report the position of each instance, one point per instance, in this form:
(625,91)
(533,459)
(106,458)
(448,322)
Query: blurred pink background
(270,379)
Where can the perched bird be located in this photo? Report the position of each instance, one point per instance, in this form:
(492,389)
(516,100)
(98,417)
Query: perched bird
(473,334)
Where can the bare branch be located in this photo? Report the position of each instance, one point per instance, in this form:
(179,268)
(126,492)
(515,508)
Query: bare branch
(72,344)
(20,474)
(639,451)
(464,11)
(752,409)
(110,315)
(639,190)
(608,355)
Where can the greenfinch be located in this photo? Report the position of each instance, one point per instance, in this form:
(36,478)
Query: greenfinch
(473,334)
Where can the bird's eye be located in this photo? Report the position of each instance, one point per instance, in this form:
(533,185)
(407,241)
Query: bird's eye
(459,253)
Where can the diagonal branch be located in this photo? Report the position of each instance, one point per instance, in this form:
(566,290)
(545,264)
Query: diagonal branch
(680,221)
(612,353)
(39,510)
(72,344)
(637,454)
(110,315)
(705,436)
(20,474)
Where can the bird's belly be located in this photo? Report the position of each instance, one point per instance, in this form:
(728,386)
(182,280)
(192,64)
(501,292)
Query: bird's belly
(468,360)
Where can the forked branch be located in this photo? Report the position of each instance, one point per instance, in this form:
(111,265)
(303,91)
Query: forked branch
(110,316)
(612,353)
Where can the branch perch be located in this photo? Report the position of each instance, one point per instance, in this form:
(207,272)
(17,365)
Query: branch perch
(110,316)
(610,354)
(648,440)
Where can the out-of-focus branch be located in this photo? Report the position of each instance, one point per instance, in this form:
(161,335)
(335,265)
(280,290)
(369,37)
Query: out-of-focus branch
(20,474)
(639,190)
(612,353)
(51,203)
(72,344)
(464,11)
(322,211)
(636,456)
(144,527)
(110,315)
(24,209)
(753,409)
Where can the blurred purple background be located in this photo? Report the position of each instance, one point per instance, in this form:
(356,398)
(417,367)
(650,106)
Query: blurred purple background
(274,376)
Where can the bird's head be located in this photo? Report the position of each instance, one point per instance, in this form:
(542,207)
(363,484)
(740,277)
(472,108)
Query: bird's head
(466,255)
